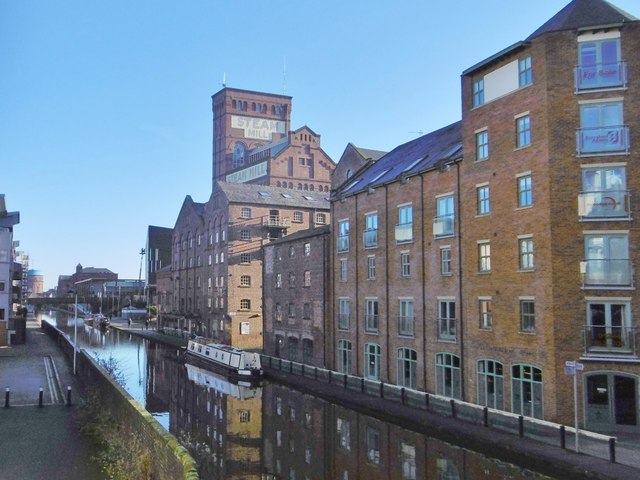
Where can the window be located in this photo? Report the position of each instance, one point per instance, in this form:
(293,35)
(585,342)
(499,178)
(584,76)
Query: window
(292,251)
(210,261)
(297,217)
(524,71)
(343,430)
(604,192)
(483,200)
(343,313)
(278,312)
(245,304)
(307,349)
(609,327)
(607,259)
(446,320)
(445,260)
(485,314)
(2,314)
(373,445)
(278,280)
(343,236)
(525,247)
(307,278)
(293,348)
(448,375)
(372,361)
(292,279)
(527,316)
(404,228)
(526,390)
(405,318)
(245,281)
(343,270)
(245,212)
(344,356)
(490,384)
(371,267)
(443,224)
(523,131)
(525,191)
(371,230)
(484,257)
(291,310)
(371,315)
(600,65)
(245,235)
(307,311)
(478,92)
(245,258)
(221,257)
(321,218)
(482,145)
(408,461)
(307,249)
(405,264)
(602,129)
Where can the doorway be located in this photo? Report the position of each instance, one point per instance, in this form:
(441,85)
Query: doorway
(612,402)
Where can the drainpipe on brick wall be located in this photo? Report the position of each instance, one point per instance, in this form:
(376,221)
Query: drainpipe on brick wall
(459,221)
(326,245)
(424,287)
(386,260)
(357,303)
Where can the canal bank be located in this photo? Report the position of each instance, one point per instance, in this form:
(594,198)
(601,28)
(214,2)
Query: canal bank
(541,457)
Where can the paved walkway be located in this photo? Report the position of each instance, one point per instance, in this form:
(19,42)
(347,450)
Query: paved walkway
(41,443)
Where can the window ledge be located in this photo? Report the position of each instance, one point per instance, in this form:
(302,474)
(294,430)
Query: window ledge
(372,332)
(526,207)
(528,332)
(523,147)
(610,358)
(607,287)
(606,219)
(484,273)
(526,270)
(440,237)
(446,340)
(486,329)
(482,215)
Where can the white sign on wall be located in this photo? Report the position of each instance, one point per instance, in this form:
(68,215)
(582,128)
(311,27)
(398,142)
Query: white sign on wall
(258,128)
(248,174)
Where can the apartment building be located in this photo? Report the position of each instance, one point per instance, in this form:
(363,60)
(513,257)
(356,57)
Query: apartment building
(10,273)
(295,296)
(158,254)
(549,239)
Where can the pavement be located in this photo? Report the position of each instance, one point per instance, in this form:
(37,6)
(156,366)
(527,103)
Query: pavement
(41,442)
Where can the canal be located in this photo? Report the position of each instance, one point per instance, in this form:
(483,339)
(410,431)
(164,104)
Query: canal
(273,431)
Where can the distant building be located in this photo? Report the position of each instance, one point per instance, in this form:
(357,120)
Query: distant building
(10,273)
(35,283)
(86,281)
(353,159)
(158,253)
(295,296)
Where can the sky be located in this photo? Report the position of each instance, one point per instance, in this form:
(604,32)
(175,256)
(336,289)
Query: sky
(105,106)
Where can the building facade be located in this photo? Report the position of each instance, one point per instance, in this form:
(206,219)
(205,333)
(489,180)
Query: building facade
(158,253)
(10,273)
(295,296)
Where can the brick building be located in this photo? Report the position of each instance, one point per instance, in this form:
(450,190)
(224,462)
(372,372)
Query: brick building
(520,252)
(158,253)
(295,296)
(10,273)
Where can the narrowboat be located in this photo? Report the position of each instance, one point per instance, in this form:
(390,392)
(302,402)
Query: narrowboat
(232,361)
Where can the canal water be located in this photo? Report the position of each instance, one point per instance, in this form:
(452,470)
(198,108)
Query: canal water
(273,431)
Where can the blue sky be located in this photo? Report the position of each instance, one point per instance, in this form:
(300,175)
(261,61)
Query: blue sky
(105,106)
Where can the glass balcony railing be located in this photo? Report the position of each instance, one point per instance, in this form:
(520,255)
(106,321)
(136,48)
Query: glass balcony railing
(404,232)
(406,325)
(604,204)
(447,329)
(607,272)
(343,321)
(343,243)
(600,339)
(602,140)
(443,225)
(371,322)
(601,76)
(371,238)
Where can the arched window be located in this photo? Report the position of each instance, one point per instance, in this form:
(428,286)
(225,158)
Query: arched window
(244,106)
(490,384)
(253,106)
(234,104)
(526,390)
(448,381)
(372,361)
(407,375)
(344,356)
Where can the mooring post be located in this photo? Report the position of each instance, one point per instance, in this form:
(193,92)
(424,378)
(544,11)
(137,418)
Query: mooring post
(69,396)
(612,450)
(40,394)
(521,426)
(485,414)
(562,437)
(6,398)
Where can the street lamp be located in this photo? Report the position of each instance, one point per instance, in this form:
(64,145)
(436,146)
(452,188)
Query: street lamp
(75,328)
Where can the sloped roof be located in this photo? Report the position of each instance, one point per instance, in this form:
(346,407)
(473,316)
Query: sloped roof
(248,193)
(95,270)
(584,13)
(367,153)
(419,155)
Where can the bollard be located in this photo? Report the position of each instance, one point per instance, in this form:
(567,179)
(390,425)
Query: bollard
(315,374)
(402,394)
(485,414)
(453,408)
(40,397)
(6,398)
(69,396)
(426,400)
(612,450)
(521,426)
(563,443)
(362,384)
(381,390)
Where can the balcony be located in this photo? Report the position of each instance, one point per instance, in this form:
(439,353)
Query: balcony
(370,238)
(443,225)
(601,76)
(343,243)
(606,273)
(276,221)
(603,205)
(608,339)
(602,140)
(406,325)
(371,322)
(447,329)
(343,321)
(404,233)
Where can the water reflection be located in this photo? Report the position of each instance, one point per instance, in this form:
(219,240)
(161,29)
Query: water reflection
(238,432)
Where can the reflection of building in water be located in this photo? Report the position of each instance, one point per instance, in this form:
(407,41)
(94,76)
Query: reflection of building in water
(219,422)
(162,368)
(308,438)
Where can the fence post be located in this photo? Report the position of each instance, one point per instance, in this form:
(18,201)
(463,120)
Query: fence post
(6,397)
(453,407)
(485,414)
(521,426)
(562,437)
(612,450)
(40,393)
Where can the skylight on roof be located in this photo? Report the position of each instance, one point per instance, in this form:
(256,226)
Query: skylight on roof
(351,185)
(380,175)
(264,194)
(414,163)
(307,197)
(286,195)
